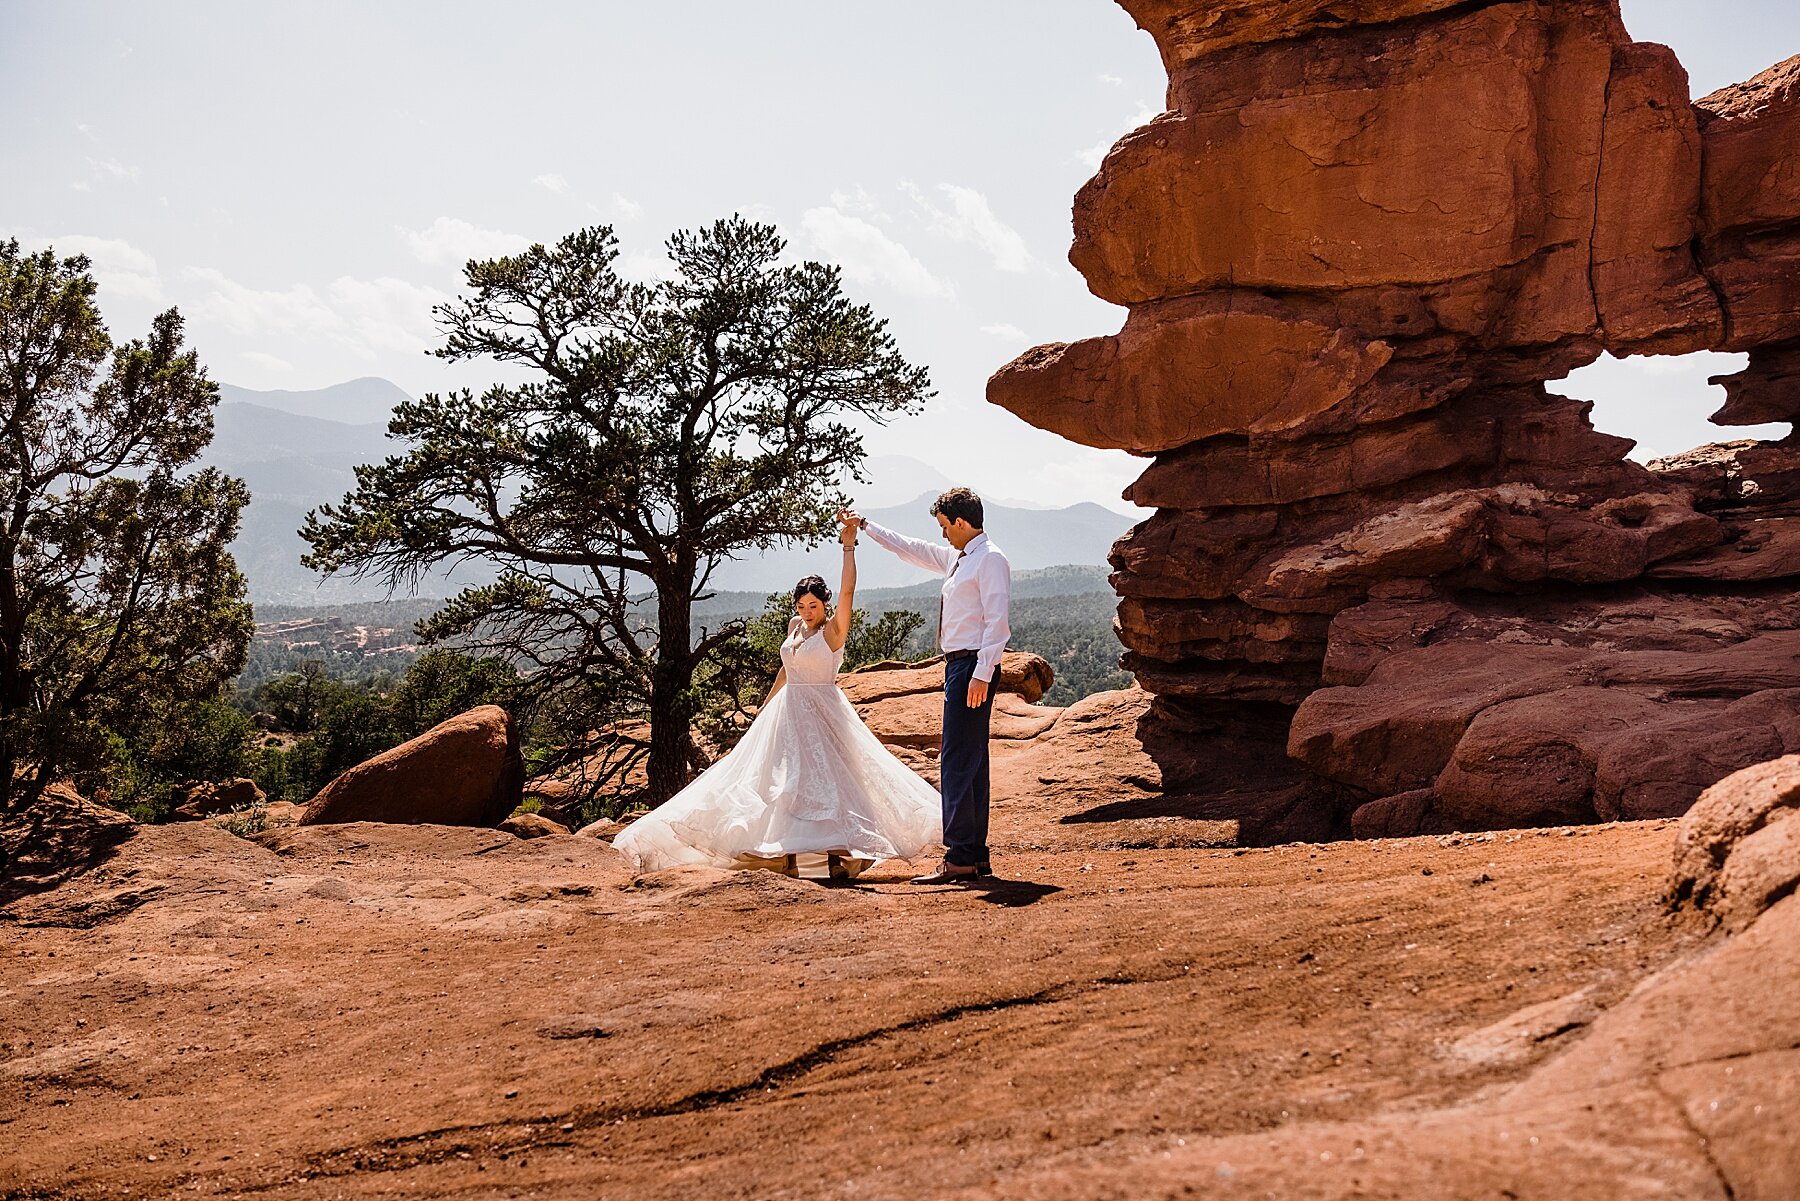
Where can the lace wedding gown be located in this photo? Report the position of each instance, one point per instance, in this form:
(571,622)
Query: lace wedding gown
(807,777)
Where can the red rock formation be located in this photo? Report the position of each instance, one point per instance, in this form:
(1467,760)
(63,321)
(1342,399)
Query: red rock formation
(903,703)
(1749,221)
(1353,250)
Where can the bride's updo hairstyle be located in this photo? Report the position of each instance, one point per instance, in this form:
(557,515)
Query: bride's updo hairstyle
(813,585)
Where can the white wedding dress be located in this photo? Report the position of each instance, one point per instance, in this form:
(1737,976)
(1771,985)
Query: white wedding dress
(807,778)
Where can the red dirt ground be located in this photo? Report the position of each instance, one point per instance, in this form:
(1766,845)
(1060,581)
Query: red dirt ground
(433,1012)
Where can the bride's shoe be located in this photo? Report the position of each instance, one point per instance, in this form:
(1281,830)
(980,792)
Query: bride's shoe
(787,865)
(842,865)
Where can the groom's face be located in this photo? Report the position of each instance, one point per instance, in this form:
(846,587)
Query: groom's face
(958,533)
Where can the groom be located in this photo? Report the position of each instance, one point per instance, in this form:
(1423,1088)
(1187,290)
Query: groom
(972,630)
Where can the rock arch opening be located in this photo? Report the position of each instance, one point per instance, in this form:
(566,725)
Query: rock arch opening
(1665,404)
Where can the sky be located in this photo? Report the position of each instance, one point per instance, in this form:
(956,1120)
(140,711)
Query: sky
(304,179)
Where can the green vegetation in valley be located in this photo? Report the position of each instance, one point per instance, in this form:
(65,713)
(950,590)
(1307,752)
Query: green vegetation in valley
(323,726)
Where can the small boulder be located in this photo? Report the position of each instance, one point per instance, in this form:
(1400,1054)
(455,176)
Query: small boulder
(197,799)
(463,772)
(1399,816)
(1738,849)
(532,825)
(558,799)
(917,721)
(606,829)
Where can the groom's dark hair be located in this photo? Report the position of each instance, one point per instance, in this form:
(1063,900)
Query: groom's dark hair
(959,503)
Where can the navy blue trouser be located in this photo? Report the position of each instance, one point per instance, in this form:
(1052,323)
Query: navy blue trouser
(963,766)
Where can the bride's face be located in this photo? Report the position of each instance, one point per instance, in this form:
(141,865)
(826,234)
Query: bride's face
(810,608)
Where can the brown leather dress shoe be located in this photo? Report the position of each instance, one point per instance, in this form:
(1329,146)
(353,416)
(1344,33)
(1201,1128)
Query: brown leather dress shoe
(949,873)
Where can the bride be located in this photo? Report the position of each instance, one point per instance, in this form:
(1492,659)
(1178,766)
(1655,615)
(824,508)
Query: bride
(808,780)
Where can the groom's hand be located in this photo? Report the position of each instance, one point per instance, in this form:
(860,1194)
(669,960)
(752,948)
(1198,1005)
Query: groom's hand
(978,692)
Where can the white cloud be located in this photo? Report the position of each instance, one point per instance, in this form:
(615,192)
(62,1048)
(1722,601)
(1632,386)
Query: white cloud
(268,362)
(364,315)
(120,268)
(295,311)
(112,169)
(1662,402)
(551,182)
(1078,472)
(1008,332)
(387,313)
(859,203)
(1093,155)
(642,266)
(619,209)
(453,241)
(868,255)
(971,219)
(1114,80)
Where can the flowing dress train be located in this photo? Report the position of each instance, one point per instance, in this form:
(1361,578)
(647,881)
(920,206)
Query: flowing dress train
(807,777)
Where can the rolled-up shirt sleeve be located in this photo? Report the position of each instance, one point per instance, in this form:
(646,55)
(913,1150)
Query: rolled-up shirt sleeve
(928,555)
(995,581)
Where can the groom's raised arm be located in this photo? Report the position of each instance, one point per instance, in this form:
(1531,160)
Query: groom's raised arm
(928,555)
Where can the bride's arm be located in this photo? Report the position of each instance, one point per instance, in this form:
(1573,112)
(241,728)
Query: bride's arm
(838,628)
(780,679)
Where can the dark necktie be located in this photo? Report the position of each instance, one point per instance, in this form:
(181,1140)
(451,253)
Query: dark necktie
(947,579)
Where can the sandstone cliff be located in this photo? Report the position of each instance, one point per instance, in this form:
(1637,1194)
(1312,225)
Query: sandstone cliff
(1353,250)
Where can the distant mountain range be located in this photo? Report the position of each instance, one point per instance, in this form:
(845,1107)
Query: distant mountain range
(299,450)
(366,401)
(1031,538)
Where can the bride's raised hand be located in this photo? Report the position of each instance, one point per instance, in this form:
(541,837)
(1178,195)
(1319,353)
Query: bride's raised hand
(848,525)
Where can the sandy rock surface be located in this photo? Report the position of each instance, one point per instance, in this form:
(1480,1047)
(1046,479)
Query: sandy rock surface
(377,1009)
(430,1011)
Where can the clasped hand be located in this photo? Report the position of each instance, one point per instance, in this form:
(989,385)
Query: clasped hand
(849,522)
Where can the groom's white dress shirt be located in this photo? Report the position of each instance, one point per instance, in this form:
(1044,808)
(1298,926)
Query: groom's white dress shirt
(977,590)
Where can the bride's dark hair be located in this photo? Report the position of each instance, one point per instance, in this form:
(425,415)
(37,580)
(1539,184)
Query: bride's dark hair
(813,585)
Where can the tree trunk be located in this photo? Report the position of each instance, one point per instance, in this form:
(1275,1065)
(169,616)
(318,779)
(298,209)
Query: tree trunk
(671,684)
(15,693)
